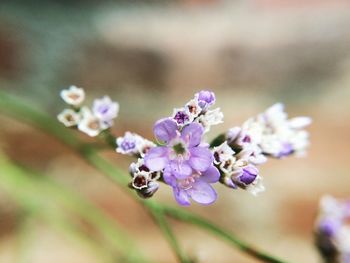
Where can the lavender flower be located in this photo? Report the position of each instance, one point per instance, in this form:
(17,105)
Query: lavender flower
(105,110)
(332,233)
(182,116)
(205,99)
(133,144)
(182,152)
(236,168)
(73,96)
(197,186)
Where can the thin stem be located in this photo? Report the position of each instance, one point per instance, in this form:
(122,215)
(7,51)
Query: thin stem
(164,226)
(14,107)
(223,234)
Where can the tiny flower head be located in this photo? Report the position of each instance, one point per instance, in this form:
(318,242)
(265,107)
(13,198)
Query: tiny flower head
(73,95)
(89,123)
(205,98)
(181,152)
(182,116)
(69,117)
(143,180)
(129,144)
(105,110)
(210,118)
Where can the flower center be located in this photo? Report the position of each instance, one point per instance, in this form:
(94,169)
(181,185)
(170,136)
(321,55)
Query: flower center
(179,148)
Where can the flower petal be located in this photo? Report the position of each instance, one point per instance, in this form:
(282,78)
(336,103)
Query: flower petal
(168,176)
(181,169)
(192,134)
(165,130)
(201,158)
(202,193)
(181,196)
(211,175)
(156,158)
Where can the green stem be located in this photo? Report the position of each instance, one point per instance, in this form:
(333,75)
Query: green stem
(28,189)
(14,107)
(159,217)
(224,234)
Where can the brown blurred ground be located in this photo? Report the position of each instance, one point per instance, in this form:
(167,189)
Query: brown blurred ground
(155,56)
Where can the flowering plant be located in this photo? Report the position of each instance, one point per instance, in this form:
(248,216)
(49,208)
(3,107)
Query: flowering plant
(181,158)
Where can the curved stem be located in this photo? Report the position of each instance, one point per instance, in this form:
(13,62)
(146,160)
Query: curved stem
(12,106)
(224,234)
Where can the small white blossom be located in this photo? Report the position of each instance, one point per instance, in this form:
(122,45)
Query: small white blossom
(69,117)
(275,134)
(222,153)
(210,118)
(89,123)
(73,95)
(193,108)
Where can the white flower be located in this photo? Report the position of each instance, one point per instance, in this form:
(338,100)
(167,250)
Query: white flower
(275,134)
(69,117)
(210,118)
(193,108)
(89,123)
(222,153)
(73,95)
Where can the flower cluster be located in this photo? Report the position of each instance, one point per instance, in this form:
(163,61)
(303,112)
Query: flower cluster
(90,121)
(197,110)
(269,134)
(332,231)
(182,159)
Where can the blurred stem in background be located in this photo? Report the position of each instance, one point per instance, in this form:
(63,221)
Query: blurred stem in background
(41,198)
(19,110)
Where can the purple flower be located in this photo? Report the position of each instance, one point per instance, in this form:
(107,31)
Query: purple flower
(182,117)
(182,153)
(205,98)
(128,144)
(197,186)
(105,110)
(249,174)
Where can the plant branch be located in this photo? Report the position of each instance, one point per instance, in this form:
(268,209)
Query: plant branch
(12,106)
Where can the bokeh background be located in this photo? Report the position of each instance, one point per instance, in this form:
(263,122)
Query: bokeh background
(152,56)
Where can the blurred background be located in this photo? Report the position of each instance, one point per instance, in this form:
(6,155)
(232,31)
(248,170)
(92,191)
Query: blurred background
(152,56)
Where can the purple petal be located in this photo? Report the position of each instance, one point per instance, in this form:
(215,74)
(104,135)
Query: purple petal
(192,134)
(156,158)
(201,158)
(202,193)
(211,175)
(249,174)
(181,196)
(165,130)
(180,169)
(168,176)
